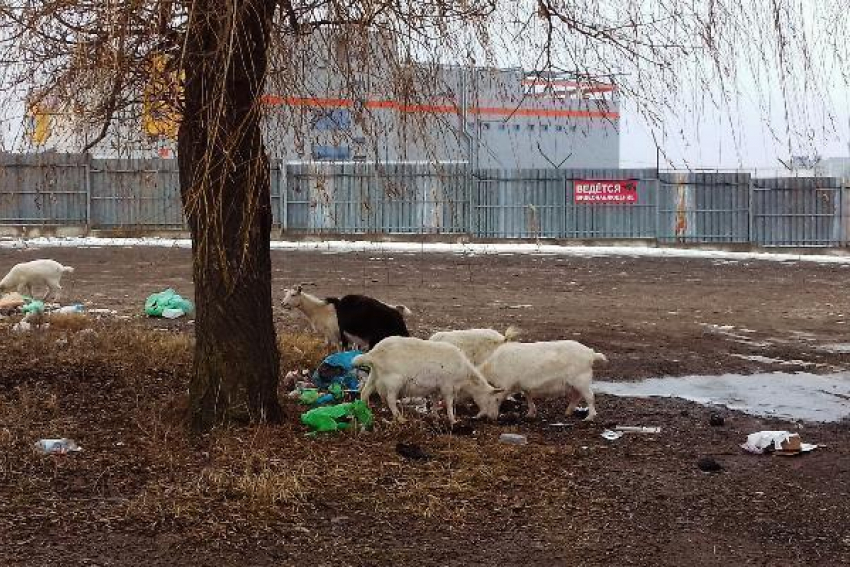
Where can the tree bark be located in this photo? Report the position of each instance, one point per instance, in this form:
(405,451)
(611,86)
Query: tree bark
(224,185)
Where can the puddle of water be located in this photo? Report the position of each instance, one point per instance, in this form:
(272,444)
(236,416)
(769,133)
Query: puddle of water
(803,396)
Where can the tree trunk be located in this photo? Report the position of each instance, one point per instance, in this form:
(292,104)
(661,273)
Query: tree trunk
(224,184)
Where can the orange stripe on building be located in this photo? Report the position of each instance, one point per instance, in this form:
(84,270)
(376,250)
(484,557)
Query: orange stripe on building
(274,100)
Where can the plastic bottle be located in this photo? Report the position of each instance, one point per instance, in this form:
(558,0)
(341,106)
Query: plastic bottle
(68,309)
(513,439)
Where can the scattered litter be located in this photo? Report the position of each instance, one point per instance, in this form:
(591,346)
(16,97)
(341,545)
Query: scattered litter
(716,420)
(637,429)
(522,306)
(709,465)
(338,368)
(68,309)
(57,446)
(559,424)
(157,303)
(411,451)
(612,435)
(419,405)
(308,396)
(338,417)
(33,307)
(22,327)
(513,439)
(173,313)
(101,311)
(777,442)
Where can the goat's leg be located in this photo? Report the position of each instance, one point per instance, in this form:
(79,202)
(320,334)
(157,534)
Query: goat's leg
(392,401)
(532,407)
(585,392)
(55,291)
(573,397)
(449,400)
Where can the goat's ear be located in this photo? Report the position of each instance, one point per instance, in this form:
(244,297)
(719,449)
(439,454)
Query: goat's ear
(298,288)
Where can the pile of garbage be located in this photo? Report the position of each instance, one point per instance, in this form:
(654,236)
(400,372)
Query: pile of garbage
(782,443)
(332,394)
(35,311)
(168,304)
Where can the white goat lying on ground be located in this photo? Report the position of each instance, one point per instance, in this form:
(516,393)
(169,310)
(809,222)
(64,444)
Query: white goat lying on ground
(24,276)
(409,367)
(477,344)
(544,370)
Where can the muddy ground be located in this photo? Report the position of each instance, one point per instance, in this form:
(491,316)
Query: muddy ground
(142,492)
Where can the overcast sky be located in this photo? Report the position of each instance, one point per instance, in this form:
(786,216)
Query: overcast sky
(744,137)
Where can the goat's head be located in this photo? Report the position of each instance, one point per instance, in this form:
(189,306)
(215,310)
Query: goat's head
(292,298)
(488,403)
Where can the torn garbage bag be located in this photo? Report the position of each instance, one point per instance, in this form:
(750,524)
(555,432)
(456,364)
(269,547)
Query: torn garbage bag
(157,303)
(337,369)
(339,417)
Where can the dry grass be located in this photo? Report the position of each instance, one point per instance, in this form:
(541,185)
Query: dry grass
(118,388)
(300,350)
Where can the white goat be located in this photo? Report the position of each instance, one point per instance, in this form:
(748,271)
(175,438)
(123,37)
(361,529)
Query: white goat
(477,344)
(320,314)
(409,367)
(545,370)
(24,276)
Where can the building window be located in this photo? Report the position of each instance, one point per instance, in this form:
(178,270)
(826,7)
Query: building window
(516,126)
(545,127)
(486,126)
(559,128)
(336,119)
(502,126)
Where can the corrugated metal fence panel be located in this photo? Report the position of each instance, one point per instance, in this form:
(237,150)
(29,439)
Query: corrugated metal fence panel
(135,193)
(278,186)
(387,198)
(518,203)
(845,211)
(797,211)
(612,220)
(704,207)
(43,189)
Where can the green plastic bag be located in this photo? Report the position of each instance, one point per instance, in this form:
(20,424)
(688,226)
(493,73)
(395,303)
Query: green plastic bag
(338,417)
(34,306)
(168,299)
(308,396)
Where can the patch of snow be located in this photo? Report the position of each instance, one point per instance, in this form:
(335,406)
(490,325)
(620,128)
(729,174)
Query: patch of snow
(507,248)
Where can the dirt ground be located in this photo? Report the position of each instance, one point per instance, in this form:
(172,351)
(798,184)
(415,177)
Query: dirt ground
(142,492)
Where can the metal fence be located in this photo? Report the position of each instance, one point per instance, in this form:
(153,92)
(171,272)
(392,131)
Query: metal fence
(51,190)
(704,207)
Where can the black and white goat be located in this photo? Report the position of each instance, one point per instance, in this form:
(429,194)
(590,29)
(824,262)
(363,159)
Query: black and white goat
(351,319)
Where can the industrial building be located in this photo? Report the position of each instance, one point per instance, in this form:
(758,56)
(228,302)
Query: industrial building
(341,98)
